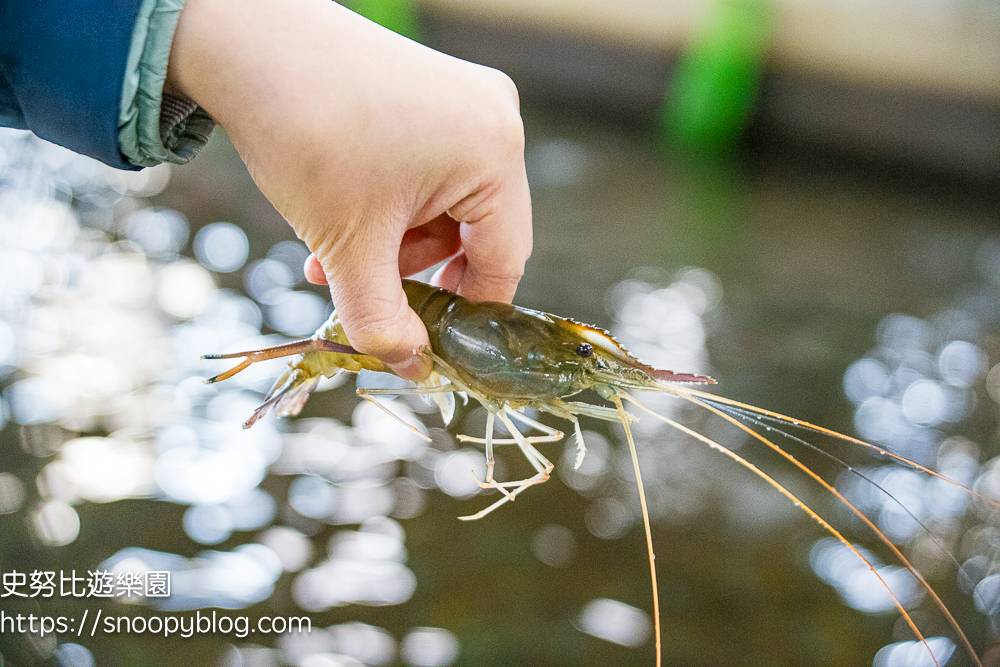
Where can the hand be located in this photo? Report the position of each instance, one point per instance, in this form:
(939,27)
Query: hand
(385,156)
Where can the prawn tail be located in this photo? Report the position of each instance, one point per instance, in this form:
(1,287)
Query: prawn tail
(287,396)
(258,413)
(292,401)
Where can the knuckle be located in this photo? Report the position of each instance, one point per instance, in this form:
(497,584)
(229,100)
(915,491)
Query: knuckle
(509,87)
(500,135)
(479,205)
(500,115)
(503,82)
(510,131)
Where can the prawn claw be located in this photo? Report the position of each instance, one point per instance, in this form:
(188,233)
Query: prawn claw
(288,349)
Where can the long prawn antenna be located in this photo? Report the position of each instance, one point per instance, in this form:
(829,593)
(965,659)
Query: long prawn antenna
(798,423)
(645,524)
(762,421)
(805,508)
(881,535)
(761,418)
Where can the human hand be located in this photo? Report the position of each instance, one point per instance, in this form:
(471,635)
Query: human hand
(385,156)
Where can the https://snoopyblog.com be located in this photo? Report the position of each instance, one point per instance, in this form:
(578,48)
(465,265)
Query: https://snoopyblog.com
(126,587)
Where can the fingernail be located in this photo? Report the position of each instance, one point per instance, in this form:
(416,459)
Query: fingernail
(416,368)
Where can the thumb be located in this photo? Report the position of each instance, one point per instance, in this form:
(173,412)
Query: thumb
(378,319)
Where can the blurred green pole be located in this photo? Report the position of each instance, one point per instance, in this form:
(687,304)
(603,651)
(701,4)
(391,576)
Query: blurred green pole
(713,90)
(396,15)
(708,103)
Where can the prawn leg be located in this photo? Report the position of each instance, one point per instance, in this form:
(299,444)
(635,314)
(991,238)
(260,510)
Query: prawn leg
(596,411)
(370,394)
(542,465)
(490,482)
(286,350)
(581,447)
(551,435)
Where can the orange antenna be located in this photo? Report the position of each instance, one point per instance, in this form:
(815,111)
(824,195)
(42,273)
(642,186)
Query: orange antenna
(645,523)
(791,421)
(798,503)
(882,536)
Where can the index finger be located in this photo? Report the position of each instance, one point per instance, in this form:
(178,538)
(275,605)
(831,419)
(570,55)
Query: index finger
(498,244)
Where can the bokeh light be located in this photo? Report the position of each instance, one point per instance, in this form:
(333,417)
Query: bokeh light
(293,255)
(616,622)
(913,394)
(430,647)
(368,644)
(296,314)
(221,247)
(106,469)
(227,579)
(268,281)
(102,322)
(914,653)
(12,493)
(312,497)
(160,232)
(209,524)
(362,568)
(456,473)
(56,523)
(74,655)
(293,549)
(836,564)
(184,289)
(554,545)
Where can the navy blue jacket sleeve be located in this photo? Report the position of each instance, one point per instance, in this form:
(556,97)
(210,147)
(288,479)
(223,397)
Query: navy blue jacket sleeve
(62,65)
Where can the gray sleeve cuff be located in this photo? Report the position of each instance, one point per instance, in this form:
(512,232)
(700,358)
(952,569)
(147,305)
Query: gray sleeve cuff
(154,127)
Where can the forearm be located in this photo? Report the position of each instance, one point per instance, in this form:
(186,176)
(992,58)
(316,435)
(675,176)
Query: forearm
(304,69)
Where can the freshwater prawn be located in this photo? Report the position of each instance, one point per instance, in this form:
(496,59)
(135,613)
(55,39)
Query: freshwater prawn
(510,358)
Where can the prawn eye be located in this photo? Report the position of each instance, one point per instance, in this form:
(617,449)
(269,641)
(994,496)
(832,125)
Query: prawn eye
(585,350)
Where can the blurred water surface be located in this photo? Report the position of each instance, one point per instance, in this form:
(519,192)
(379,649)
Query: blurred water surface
(859,302)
